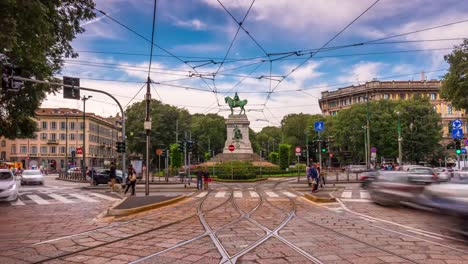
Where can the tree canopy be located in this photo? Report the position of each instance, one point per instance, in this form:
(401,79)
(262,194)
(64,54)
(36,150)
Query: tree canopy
(455,81)
(36,36)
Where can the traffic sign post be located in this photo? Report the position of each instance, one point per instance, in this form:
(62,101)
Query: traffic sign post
(298,151)
(79,151)
(319,126)
(159,152)
(457,133)
(232,148)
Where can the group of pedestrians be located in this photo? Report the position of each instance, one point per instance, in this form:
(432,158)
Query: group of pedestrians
(203,178)
(131,178)
(314,178)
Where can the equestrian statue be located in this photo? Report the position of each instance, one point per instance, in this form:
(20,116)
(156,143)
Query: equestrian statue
(235,102)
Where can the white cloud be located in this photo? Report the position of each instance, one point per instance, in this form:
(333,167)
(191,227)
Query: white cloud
(362,72)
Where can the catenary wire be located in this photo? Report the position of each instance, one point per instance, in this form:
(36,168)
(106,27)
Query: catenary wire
(152,38)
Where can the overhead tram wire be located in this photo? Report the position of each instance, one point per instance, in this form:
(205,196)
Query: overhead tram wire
(129,102)
(143,37)
(152,39)
(323,46)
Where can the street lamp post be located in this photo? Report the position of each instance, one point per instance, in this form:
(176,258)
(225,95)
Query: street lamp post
(66,142)
(365,145)
(84,99)
(368,132)
(400,154)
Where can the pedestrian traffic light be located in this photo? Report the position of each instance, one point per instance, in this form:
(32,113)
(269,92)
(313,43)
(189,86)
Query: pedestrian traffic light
(120,146)
(325,146)
(458,150)
(190,145)
(8,83)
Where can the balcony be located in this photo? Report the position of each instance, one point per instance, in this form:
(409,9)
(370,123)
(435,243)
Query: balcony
(52,142)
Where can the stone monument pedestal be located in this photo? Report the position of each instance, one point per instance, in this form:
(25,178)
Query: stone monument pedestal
(242,144)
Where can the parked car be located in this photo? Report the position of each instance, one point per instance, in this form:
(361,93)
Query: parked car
(32,176)
(443,174)
(449,198)
(396,187)
(102,176)
(8,186)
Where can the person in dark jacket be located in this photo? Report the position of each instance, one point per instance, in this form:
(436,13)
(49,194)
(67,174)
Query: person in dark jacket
(112,176)
(131,179)
(199,178)
(315,178)
(206,178)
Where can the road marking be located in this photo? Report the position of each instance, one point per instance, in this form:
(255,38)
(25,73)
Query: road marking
(272,194)
(37,199)
(253,194)
(84,198)
(423,234)
(367,219)
(17,202)
(220,194)
(60,198)
(237,194)
(365,195)
(357,200)
(105,197)
(202,194)
(290,194)
(346,194)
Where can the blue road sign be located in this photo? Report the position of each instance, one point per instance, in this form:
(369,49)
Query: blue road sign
(463,151)
(457,133)
(319,126)
(457,123)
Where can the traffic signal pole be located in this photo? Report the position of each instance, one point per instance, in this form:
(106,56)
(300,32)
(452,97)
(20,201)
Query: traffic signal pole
(320,150)
(148,133)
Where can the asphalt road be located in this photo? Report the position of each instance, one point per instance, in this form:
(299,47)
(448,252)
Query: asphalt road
(264,222)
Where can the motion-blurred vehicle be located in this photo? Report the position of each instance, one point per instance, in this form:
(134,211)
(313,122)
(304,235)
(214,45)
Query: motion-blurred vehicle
(356,168)
(443,174)
(32,176)
(8,187)
(102,176)
(396,187)
(463,173)
(367,177)
(449,198)
(423,174)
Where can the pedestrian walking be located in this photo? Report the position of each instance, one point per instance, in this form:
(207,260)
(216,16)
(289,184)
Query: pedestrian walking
(112,176)
(206,178)
(315,178)
(309,175)
(199,178)
(131,180)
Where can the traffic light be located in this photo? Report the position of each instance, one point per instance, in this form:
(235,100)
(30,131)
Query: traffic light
(190,146)
(180,146)
(120,146)
(324,146)
(458,150)
(8,83)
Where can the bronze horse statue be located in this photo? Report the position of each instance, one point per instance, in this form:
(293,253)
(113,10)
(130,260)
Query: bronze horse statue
(233,104)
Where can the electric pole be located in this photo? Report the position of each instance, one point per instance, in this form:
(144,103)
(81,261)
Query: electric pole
(147,126)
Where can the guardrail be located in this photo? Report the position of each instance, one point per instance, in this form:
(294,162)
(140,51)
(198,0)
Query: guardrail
(76,176)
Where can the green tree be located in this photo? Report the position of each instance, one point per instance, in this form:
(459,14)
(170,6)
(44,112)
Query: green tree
(36,36)
(274,157)
(209,133)
(284,155)
(176,156)
(268,139)
(455,81)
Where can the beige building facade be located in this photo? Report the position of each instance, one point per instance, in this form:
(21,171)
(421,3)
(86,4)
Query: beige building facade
(60,133)
(334,101)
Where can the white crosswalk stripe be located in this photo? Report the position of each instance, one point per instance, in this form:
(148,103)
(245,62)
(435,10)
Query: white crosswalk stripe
(105,197)
(347,194)
(237,194)
(272,194)
(358,195)
(292,195)
(60,198)
(202,194)
(37,199)
(17,202)
(253,194)
(365,195)
(220,194)
(84,198)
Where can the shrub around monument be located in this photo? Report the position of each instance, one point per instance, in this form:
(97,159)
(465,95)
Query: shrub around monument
(236,170)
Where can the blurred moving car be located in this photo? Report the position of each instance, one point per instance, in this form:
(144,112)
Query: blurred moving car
(396,187)
(32,176)
(463,173)
(443,174)
(102,176)
(449,198)
(8,187)
(423,174)
(367,177)
(357,168)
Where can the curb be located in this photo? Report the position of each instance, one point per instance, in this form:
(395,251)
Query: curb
(319,199)
(126,212)
(256,180)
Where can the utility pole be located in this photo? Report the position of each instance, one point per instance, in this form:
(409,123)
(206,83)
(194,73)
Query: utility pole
(177,130)
(365,146)
(320,149)
(400,154)
(84,99)
(307,147)
(368,133)
(147,126)
(66,142)
(329,152)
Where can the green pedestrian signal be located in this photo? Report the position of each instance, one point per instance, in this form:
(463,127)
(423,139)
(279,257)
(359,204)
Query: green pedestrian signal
(458,151)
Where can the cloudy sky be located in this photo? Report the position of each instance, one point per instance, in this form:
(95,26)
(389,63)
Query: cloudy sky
(202,55)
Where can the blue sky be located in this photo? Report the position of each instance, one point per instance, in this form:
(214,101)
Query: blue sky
(200,33)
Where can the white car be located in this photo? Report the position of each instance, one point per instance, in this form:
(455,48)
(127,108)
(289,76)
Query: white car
(443,174)
(32,176)
(8,188)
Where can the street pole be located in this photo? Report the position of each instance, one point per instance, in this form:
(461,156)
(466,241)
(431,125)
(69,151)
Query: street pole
(400,154)
(307,147)
(84,99)
(177,130)
(329,152)
(66,143)
(365,147)
(368,133)
(297,168)
(320,150)
(147,126)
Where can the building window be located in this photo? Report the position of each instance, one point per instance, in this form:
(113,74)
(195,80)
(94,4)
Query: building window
(44,125)
(72,136)
(81,125)
(13,149)
(62,150)
(72,125)
(43,136)
(34,150)
(433,96)
(81,136)
(53,136)
(53,125)
(53,150)
(43,150)
(23,149)
(449,109)
(402,96)
(63,136)
(385,96)
(3,143)
(63,125)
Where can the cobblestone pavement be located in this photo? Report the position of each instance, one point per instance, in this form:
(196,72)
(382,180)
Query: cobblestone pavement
(264,222)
